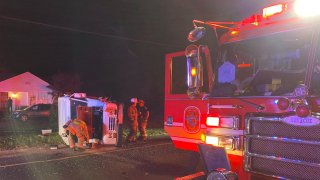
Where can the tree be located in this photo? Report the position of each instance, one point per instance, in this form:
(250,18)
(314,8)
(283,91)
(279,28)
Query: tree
(65,83)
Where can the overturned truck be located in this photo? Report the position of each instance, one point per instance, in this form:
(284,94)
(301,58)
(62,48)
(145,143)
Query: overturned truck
(101,116)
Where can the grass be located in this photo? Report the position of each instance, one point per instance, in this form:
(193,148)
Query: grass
(17,141)
(17,134)
(152,132)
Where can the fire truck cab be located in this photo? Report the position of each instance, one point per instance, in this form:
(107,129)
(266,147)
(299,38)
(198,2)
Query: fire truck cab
(259,98)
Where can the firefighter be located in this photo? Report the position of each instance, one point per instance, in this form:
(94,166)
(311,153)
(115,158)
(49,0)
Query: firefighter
(77,131)
(133,120)
(143,116)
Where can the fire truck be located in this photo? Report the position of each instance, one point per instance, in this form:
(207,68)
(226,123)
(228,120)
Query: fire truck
(257,95)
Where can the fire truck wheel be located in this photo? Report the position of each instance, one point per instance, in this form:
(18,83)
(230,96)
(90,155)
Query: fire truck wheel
(222,174)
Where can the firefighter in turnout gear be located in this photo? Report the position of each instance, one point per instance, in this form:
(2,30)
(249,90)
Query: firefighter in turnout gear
(78,130)
(143,115)
(133,120)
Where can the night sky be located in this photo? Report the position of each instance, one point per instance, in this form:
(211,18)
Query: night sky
(116,47)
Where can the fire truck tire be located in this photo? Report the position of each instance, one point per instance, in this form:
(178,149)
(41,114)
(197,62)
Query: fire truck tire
(222,174)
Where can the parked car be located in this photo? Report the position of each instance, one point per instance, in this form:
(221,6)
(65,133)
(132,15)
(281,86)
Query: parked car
(34,111)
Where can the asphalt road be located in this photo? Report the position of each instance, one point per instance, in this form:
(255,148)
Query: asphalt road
(157,159)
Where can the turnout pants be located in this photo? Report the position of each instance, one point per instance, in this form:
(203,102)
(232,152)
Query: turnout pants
(133,131)
(143,129)
(72,139)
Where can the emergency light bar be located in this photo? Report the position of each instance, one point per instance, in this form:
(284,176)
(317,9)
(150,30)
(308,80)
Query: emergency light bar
(303,8)
(273,10)
(307,8)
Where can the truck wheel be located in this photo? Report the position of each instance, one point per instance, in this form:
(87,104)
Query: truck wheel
(24,118)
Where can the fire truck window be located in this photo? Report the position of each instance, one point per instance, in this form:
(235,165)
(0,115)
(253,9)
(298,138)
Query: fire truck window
(270,66)
(205,87)
(315,79)
(179,75)
(34,108)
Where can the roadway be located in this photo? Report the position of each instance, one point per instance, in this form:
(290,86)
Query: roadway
(157,159)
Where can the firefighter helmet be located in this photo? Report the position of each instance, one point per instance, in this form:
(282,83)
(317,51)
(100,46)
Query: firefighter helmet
(134,100)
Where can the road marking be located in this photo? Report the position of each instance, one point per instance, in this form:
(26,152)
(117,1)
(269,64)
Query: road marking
(83,155)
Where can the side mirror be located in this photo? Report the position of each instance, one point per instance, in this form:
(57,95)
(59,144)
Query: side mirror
(194,71)
(196,34)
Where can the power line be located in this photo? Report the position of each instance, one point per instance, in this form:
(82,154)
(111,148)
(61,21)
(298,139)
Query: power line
(87,32)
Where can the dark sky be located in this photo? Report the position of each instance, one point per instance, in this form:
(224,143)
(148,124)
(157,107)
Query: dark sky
(116,47)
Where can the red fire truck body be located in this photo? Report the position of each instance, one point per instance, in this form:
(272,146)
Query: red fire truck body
(258,98)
